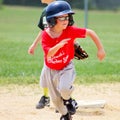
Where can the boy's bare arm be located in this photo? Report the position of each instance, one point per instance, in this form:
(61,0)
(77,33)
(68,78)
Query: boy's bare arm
(34,44)
(96,40)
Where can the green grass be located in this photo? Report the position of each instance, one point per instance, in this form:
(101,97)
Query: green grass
(18,29)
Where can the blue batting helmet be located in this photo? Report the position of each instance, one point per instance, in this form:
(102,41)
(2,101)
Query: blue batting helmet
(58,8)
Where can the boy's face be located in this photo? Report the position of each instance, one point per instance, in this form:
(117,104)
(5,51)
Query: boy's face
(47,1)
(62,21)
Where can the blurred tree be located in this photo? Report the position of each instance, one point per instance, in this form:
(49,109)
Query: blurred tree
(93,4)
(1,2)
(107,4)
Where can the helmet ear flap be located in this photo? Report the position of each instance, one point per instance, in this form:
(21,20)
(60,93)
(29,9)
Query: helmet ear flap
(51,22)
(71,21)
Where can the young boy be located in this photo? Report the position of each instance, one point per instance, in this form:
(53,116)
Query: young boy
(45,99)
(58,72)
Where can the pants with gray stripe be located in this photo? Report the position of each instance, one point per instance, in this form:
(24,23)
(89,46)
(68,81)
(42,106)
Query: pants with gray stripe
(59,83)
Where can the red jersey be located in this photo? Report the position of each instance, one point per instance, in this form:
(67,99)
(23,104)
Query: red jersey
(65,54)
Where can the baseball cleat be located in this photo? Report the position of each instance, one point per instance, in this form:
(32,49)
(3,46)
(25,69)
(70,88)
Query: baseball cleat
(44,101)
(70,104)
(66,117)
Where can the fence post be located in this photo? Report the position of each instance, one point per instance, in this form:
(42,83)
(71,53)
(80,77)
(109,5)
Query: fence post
(86,13)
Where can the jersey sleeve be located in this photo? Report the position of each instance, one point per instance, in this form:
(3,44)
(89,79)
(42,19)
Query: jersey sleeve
(78,32)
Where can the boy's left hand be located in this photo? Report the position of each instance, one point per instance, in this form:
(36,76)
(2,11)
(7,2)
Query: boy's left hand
(101,54)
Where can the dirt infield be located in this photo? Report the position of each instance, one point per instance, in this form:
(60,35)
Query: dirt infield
(18,103)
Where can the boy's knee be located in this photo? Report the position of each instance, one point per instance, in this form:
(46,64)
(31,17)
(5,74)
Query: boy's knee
(66,92)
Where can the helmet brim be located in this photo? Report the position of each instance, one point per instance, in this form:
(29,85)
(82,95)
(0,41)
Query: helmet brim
(62,13)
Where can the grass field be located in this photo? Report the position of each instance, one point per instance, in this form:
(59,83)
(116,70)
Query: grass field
(18,29)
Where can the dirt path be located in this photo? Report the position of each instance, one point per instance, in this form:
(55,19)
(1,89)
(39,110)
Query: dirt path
(18,103)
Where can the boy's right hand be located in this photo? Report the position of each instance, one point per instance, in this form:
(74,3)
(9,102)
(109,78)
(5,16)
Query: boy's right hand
(31,50)
(63,42)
